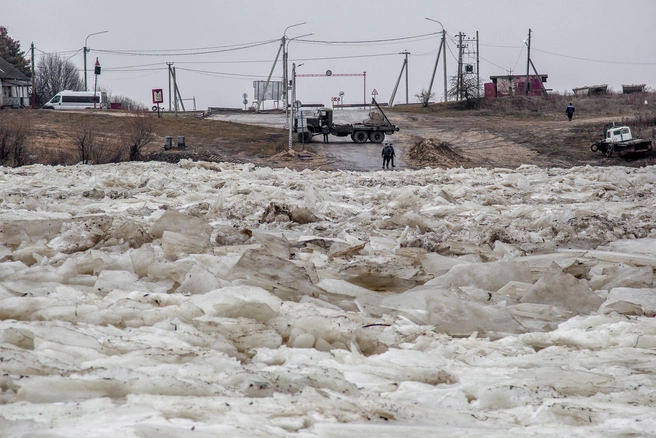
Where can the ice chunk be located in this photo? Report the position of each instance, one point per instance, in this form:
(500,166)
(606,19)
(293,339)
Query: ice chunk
(489,276)
(275,245)
(177,245)
(199,280)
(175,222)
(239,302)
(630,301)
(449,314)
(109,280)
(434,263)
(564,290)
(282,277)
(17,227)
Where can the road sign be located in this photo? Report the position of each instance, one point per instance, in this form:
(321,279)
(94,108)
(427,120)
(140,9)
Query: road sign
(374,93)
(158,95)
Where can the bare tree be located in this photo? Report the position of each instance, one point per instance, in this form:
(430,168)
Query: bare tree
(469,89)
(424,97)
(84,136)
(139,134)
(54,74)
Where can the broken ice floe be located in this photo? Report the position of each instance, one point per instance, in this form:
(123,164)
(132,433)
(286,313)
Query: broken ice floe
(145,294)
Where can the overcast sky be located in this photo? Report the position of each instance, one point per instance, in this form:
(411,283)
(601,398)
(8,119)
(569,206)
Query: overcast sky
(575,42)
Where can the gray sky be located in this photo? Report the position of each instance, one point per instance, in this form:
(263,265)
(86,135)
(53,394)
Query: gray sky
(576,42)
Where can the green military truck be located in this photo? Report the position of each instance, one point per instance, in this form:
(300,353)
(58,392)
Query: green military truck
(374,129)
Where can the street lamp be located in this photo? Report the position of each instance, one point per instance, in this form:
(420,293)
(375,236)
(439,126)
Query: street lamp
(285,68)
(442,48)
(85,56)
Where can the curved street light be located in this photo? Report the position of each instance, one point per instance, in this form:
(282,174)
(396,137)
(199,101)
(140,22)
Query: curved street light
(443,47)
(285,67)
(85,56)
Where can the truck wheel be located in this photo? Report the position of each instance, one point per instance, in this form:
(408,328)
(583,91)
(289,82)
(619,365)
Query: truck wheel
(359,137)
(376,136)
(308,137)
(594,148)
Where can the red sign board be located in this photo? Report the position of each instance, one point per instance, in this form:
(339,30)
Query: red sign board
(158,95)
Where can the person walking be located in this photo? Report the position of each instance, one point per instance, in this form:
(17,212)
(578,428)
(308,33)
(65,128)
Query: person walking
(570,111)
(325,130)
(387,155)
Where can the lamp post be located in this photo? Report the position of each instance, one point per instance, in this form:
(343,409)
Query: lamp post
(285,68)
(85,50)
(443,48)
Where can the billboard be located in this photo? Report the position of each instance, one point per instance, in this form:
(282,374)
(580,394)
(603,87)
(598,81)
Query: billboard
(274,90)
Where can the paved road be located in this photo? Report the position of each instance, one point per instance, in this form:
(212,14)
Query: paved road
(341,152)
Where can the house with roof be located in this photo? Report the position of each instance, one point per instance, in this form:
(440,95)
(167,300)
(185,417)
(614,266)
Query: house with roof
(515,85)
(16,87)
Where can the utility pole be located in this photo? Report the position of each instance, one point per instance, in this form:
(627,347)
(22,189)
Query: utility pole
(169,64)
(404,67)
(33,83)
(406,53)
(528,60)
(459,80)
(478,74)
(178,96)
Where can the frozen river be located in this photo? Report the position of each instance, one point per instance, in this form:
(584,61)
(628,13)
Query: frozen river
(203,299)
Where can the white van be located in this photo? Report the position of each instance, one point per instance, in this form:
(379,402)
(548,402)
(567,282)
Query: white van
(77,100)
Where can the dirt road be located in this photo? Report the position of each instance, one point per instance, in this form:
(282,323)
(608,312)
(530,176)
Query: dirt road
(472,139)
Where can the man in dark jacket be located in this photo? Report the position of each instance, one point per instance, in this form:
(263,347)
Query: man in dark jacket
(387,155)
(325,130)
(391,145)
(570,111)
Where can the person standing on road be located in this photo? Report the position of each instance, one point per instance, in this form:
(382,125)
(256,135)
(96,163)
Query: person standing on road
(391,145)
(325,130)
(387,155)
(570,111)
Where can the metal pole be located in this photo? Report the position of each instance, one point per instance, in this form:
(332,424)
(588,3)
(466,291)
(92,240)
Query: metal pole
(460,35)
(85,69)
(169,66)
(284,74)
(290,112)
(33,87)
(285,67)
(85,56)
(528,59)
(478,74)
(446,97)
(364,90)
(406,53)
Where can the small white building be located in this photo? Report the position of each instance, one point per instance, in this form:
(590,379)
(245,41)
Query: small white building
(16,87)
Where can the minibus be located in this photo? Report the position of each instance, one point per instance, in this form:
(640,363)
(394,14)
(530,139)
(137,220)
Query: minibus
(68,99)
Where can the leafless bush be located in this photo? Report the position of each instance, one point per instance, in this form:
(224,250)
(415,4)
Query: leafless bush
(84,137)
(108,149)
(424,97)
(138,134)
(15,130)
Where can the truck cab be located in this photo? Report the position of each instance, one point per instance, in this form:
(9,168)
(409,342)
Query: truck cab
(618,134)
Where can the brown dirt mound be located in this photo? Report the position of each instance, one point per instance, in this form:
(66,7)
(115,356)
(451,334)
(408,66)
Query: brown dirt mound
(436,153)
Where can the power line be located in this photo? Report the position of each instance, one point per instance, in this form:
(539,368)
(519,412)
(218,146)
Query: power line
(367,42)
(594,60)
(182,52)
